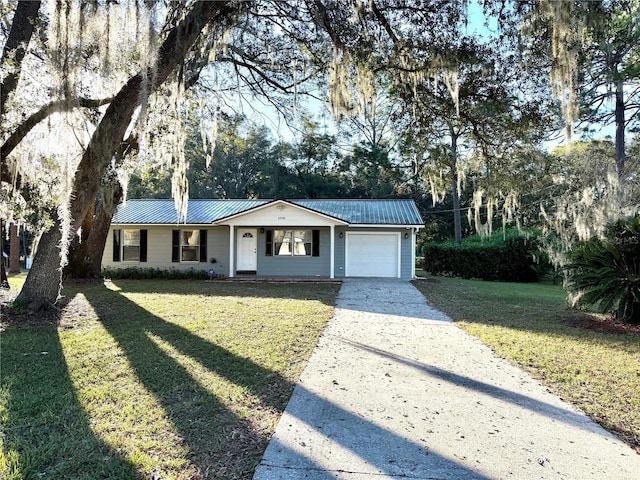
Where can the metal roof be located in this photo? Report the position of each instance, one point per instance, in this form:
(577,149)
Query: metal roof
(163,211)
(367,212)
(202,212)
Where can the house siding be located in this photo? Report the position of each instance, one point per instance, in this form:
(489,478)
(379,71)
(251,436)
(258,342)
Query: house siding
(406,246)
(159,242)
(303,266)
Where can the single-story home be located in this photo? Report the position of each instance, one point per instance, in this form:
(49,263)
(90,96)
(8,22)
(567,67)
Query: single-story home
(295,238)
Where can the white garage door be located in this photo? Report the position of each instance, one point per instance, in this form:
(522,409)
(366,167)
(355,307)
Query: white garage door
(372,255)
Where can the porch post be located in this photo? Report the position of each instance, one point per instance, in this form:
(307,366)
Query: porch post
(231,249)
(332,235)
(413,253)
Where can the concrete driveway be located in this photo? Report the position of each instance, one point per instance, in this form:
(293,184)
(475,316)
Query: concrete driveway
(395,390)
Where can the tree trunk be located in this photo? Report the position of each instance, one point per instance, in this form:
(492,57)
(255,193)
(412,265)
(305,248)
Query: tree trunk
(44,281)
(457,221)
(4,281)
(97,237)
(76,268)
(14,249)
(108,136)
(620,153)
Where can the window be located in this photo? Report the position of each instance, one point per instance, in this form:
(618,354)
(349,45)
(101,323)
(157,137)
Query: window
(293,243)
(189,246)
(129,245)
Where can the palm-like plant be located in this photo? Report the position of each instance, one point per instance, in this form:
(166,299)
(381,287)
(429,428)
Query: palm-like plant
(605,274)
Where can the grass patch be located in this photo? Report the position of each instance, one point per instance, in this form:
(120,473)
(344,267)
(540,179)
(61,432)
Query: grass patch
(584,359)
(154,379)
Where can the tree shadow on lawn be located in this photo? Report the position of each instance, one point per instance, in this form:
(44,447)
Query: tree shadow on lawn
(221,443)
(556,320)
(47,433)
(324,292)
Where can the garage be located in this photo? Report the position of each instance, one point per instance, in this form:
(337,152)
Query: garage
(372,254)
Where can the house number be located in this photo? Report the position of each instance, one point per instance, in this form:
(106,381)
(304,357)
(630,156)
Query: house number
(282,218)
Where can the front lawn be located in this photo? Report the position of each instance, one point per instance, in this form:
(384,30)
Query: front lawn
(154,379)
(587,361)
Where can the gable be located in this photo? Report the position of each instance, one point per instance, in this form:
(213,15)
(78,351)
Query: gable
(281,214)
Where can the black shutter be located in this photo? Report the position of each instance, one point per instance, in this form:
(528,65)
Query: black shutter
(116,245)
(268,248)
(203,245)
(143,245)
(315,243)
(175,246)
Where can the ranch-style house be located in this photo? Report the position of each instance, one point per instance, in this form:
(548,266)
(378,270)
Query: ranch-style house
(270,238)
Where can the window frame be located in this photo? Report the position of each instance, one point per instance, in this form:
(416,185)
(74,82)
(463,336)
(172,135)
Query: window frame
(120,245)
(311,245)
(192,248)
(131,232)
(178,245)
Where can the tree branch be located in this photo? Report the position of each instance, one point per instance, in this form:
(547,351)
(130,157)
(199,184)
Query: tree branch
(16,46)
(26,126)
(383,21)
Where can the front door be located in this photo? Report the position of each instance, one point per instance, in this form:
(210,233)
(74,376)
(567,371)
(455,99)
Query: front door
(247,249)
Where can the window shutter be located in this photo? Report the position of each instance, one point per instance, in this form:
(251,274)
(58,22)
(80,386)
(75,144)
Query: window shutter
(143,245)
(116,244)
(315,243)
(175,247)
(268,248)
(203,245)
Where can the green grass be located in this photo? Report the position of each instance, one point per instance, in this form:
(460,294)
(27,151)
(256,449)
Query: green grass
(577,355)
(154,379)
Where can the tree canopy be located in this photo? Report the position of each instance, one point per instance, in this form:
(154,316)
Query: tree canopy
(95,92)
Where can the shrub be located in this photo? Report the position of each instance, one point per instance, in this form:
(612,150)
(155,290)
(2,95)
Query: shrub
(156,273)
(605,274)
(509,258)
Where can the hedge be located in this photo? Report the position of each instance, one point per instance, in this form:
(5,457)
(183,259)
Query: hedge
(156,273)
(516,259)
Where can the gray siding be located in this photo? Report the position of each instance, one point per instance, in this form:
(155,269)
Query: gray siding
(286,266)
(340,246)
(406,255)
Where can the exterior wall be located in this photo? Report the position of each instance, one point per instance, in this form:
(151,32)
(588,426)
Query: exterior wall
(159,242)
(406,249)
(303,266)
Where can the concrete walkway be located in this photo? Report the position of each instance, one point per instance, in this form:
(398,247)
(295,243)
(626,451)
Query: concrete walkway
(396,390)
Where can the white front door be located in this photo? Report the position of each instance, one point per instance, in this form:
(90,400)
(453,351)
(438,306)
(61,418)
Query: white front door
(247,249)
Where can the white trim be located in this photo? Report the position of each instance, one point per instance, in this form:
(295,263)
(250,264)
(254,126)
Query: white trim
(413,253)
(399,246)
(332,259)
(232,246)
